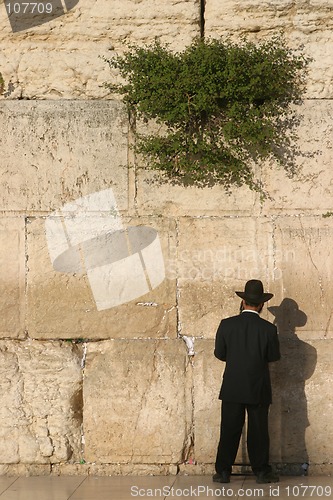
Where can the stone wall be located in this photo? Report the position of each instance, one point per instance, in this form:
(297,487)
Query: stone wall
(114,390)
(63,58)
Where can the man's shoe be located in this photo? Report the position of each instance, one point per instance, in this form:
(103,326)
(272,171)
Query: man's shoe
(224,477)
(267,477)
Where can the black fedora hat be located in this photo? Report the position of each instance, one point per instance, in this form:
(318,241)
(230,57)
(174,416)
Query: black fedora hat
(254,292)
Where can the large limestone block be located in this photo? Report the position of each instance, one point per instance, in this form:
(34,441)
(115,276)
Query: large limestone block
(319,434)
(155,195)
(41,410)
(137,401)
(311,190)
(25,470)
(62,304)
(55,152)
(52,68)
(300,417)
(63,58)
(207,375)
(303,288)
(302,23)
(12,277)
(114,469)
(216,256)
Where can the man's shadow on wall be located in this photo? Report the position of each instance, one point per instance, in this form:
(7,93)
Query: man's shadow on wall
(288,413)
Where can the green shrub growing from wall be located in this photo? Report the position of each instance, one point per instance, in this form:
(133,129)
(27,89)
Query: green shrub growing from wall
(224,106)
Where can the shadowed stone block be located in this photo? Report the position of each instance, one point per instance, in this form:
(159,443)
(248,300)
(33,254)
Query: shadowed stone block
(301,411)
(41,408)
(12,277)
(318,390)
(137,401)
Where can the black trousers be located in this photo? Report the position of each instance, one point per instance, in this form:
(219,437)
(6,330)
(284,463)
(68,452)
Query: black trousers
(232,423)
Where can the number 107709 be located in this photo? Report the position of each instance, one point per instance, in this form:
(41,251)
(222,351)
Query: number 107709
(28,8)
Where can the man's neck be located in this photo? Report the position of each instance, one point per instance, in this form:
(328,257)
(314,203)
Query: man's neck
(257,309)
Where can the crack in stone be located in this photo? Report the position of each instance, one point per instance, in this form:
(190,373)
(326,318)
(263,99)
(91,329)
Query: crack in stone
(274,251)
(188,444)
(312,261)
(328,324)
(179,325)
(202,18)
(145,393)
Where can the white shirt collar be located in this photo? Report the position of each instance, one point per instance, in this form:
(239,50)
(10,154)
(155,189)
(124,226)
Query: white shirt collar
(250,311)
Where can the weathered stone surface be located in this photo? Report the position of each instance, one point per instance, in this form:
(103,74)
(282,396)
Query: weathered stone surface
(216,257)
(12,277)
(304,281)
(53,153)
(137,402)
(289,412)
(301,22)
(41,411)
(197,469)
(156,196)
(98,469)
(61,305)
(63,57)
(12,470)
(311,190)
(301,428)
(207,377)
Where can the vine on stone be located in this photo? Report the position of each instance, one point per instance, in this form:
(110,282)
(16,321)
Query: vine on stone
(224,107)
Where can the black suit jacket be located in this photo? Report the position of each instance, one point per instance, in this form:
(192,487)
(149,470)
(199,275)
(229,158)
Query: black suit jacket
(247,343)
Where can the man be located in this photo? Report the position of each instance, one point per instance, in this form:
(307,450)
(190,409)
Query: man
(247,343)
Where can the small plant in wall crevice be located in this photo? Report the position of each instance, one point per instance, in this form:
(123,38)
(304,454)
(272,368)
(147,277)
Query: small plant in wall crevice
(224,107)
